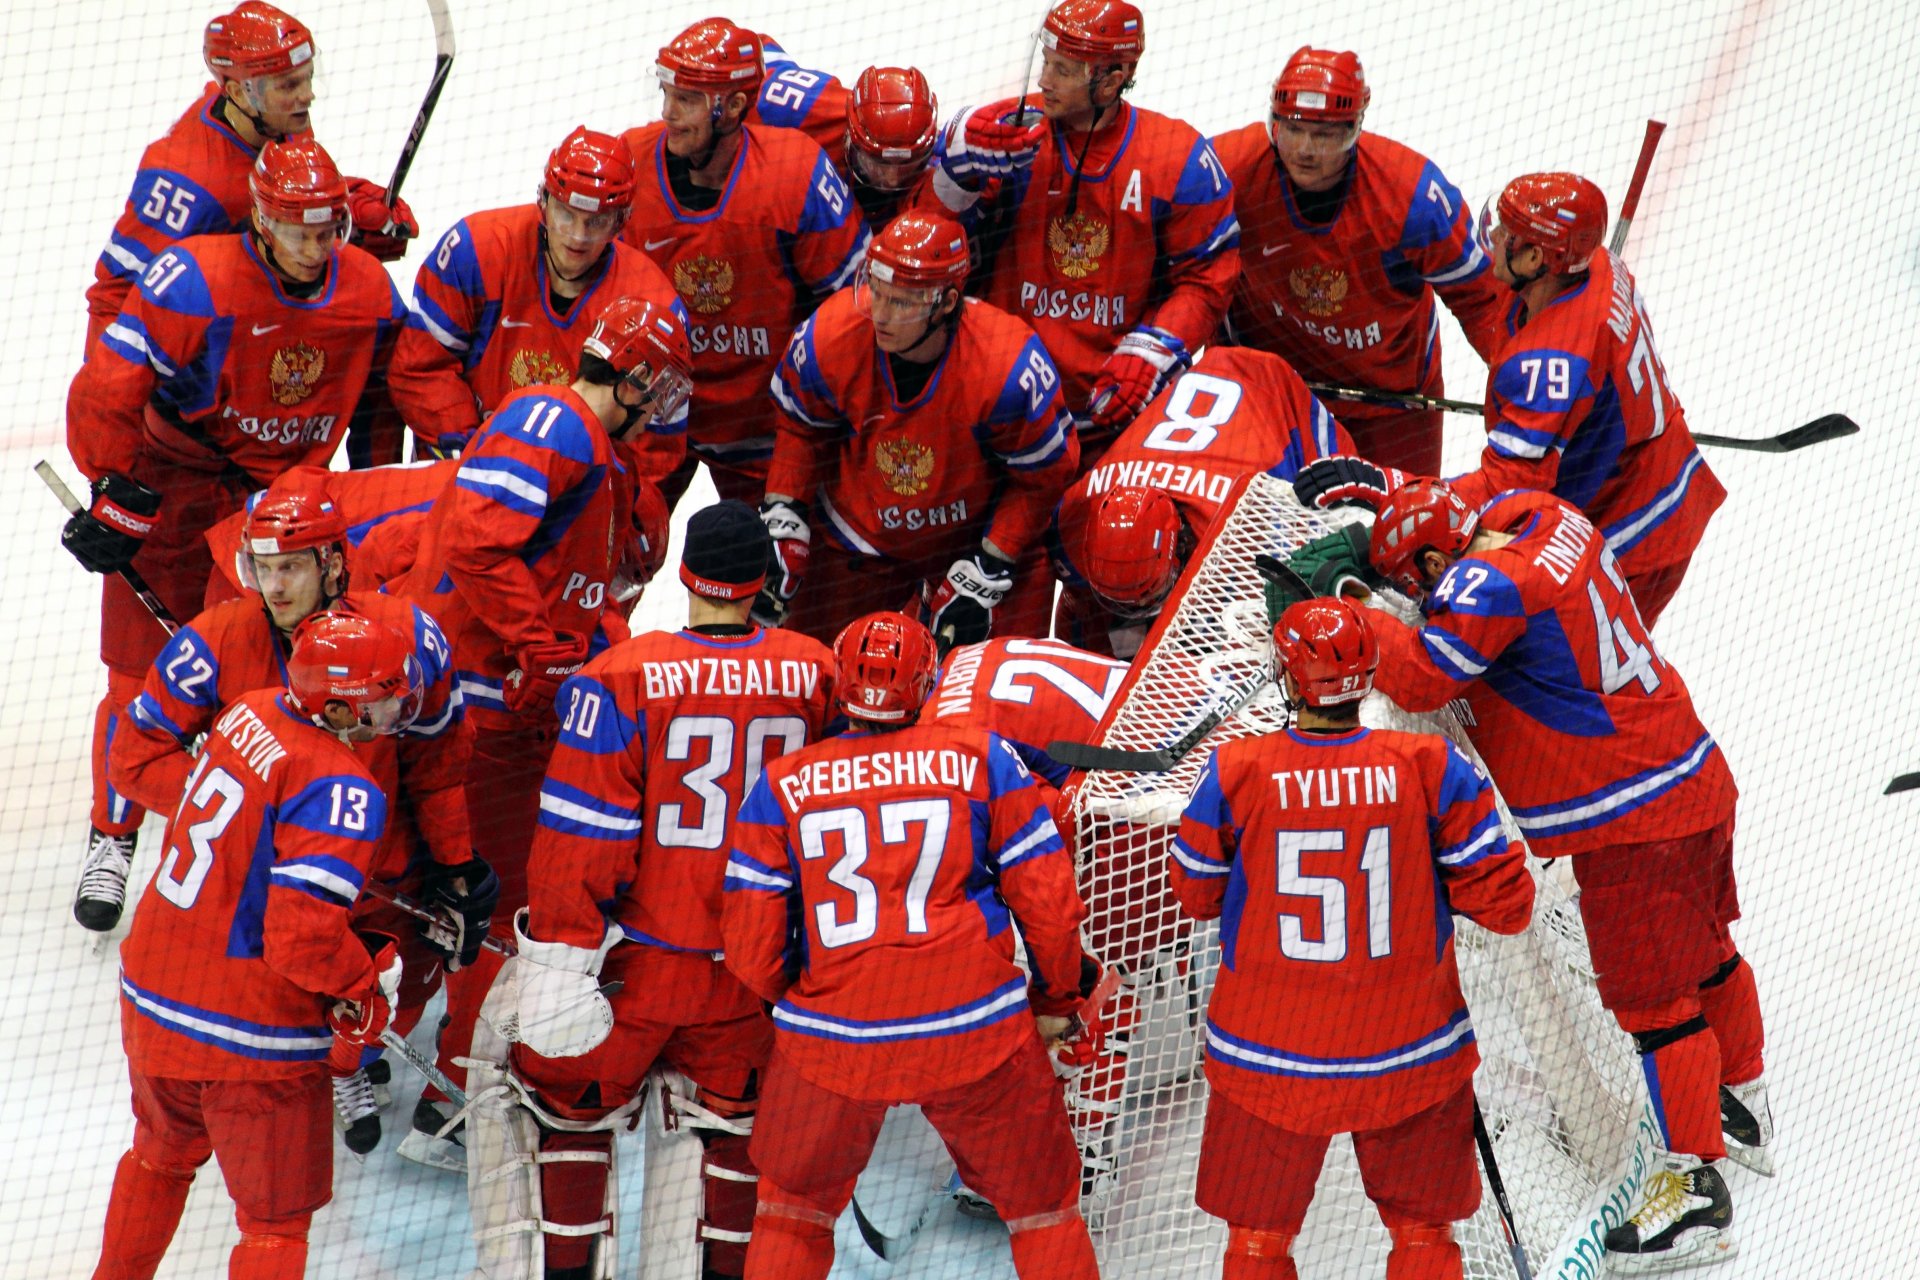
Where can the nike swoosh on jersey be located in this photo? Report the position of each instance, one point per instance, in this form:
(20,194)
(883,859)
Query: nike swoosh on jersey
(661,244)
(505,323)
(1272,249)
(264,328)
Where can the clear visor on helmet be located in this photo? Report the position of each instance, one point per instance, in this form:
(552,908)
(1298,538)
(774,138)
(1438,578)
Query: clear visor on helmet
(1483,228)
(1304,132)
(318,232)
(664,392)
(567,217)
(881,300)
(283,98)
(397,712)
(883,172)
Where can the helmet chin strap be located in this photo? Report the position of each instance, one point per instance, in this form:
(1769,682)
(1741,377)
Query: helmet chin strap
(715,114)
(259,121)
(1517,283)
(546,251)
(299,288)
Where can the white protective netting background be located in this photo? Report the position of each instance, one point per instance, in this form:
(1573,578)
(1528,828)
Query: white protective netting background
(1779,246)
(1557,1082)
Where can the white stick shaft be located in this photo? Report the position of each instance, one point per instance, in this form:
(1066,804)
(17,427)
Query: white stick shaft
(45,471)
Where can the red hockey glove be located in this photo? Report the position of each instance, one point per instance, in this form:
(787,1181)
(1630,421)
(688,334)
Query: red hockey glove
(960,609)
(1346,482)
(359,1018)
(792,544)
(539,671)
(982,145)
(108,535)
(380,226)
(1132,375)
(1075,1042)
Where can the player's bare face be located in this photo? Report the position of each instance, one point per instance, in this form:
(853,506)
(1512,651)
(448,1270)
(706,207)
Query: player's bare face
(300,252)
(1313,152)
(689,120)
(292,586)
(1515,267)
(575,238)
(1066,91)
(284,102)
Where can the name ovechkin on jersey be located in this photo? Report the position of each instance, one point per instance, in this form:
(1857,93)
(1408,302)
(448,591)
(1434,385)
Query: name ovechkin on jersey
(1054,304)
(725,339)
(1170,477)
(936,766)
(734,677)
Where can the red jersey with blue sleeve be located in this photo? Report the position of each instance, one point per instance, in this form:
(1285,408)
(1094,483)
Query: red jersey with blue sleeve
(213,352)
(814,102)
(192,181)
(1591,735)
(984,448)
(1335,864)
(241,942)
(1029,693)
(1234,413)
(1351,301)
(901,860)
(1578,406)
(233,648)
(1138,233)
(520,546)
(660,740)
(483,322)
(784,235)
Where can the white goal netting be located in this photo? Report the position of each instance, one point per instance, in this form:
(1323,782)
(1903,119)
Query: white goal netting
(1557,1082)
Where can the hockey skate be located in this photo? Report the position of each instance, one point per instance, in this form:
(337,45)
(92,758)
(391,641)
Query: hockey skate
(356,1112)
(1746,1119)
(433,1141)
(103,880)
(1681,1220)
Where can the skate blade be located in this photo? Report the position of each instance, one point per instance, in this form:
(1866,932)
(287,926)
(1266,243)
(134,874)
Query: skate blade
(104,946)
(1758,1159)
(433,1153)
(1699,1248)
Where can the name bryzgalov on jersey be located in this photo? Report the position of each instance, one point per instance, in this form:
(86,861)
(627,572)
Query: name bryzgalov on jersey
(1043,303)
(731,677)
(1169,477)
(729,339)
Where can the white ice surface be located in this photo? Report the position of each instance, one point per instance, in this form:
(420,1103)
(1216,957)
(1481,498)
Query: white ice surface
(1779,245)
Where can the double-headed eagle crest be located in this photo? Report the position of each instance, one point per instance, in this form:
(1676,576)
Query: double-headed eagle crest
(294,372)
(1077,243)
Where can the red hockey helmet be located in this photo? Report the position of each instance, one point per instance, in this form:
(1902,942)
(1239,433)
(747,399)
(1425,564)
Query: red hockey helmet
(1096,32)
(343,657)
(886,663)
(1328,647)
(1321,85)
(1562,214)
(891,126)
(294,513)
(647,346)
(919,250)
(590,172)
(714,56)
(255,40)
(295,181)
(1129,551)
(1420,515)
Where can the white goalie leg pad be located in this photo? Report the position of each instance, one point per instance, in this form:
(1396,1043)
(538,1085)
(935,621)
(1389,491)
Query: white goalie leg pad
(504,1159)
(673,1217)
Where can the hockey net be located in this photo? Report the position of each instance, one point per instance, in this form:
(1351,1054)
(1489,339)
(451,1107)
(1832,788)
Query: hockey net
(1557,1083)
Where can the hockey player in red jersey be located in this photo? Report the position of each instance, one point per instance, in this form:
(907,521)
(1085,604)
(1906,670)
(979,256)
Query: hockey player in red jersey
(796,97)
(903,851)
(1338,1006)
(923,432)
(1111,227)
(1125,528)
(1577,400)
(660,738)
(295,559)
(192,181)
(515,560)
(754,228)
(1029,692)
(238,357)
(1594,742)
(880,134)
(504,300)
(242,969)
(1348,237)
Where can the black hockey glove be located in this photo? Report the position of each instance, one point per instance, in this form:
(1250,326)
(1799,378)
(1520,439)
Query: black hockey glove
(463,896)
(1346,482)
(960,610)
(109,534)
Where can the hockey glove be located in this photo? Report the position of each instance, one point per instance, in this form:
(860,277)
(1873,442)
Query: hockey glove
(463,897)
(1335,560)
(960,610)
(562,1012)
(380,226)
(792,543)
(1075,1042)
(448,444)
(982,145)
(539,671)
(1346,482)
(1132,375)
(109,534)
(361,1017)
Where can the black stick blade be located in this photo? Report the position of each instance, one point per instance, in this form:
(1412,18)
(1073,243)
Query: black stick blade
(1905,782)
(1086,756)
(1831,427)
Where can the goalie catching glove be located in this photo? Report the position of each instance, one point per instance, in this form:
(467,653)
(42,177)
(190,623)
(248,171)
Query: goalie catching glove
(561,1011)
(1335,562)
(361,1016)
(960,609)
(1346,482)
(463,898)
(792,545)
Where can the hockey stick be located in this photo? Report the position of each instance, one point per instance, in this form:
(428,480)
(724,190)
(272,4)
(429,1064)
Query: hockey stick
(129,575)
(424,1065)
(375,888)
(1905,782)
(1484,1141)
(1631,205)
(442,68)
(1086,756)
